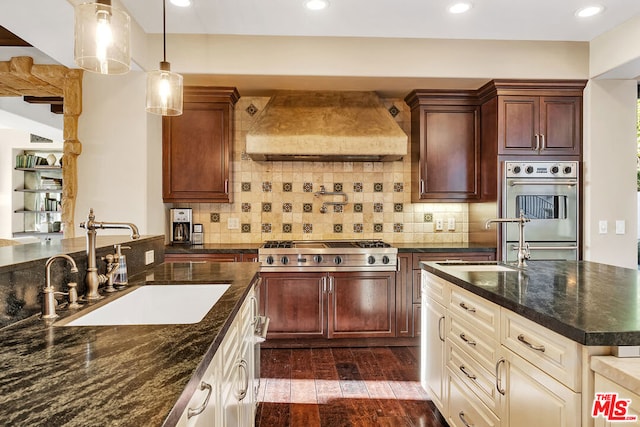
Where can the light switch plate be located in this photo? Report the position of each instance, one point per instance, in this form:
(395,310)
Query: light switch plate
(149,257)
(451,224)
(439,226)
(233,224)
(620,226)
(602,226)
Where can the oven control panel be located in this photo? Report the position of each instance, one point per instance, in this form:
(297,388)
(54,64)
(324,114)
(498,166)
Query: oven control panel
(543,169)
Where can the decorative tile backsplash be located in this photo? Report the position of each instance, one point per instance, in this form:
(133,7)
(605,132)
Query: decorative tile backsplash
(277,201)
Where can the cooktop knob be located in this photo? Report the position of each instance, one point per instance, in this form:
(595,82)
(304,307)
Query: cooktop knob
(284,260)
(371,259)
(529,169)
(317,258)
(517,169)
(567,169)
(269,260)
(555,169)
(337,260)
(385,259)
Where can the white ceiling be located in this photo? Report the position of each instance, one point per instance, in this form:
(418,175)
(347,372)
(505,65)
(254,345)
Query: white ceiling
(488,19)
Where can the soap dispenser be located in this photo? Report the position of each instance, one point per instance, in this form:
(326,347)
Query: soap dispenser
(120,278)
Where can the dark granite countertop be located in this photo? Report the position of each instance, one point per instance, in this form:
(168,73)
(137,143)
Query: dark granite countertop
(590,303)
(253,248)
(116,375)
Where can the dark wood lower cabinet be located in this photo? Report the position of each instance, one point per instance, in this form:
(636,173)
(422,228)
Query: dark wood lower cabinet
(329,305)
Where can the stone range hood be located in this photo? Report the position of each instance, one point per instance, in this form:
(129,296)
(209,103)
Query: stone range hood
(326,126)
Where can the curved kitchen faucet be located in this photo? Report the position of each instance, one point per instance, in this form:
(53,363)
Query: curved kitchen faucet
(523,247)
(93,279)
(48,301)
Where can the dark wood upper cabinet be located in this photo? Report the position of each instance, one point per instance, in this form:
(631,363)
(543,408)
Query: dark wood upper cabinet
(445,145)
(535,118)
(197,146)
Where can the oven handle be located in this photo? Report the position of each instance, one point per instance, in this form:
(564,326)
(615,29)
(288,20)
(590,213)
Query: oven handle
(546,248)
(543,182)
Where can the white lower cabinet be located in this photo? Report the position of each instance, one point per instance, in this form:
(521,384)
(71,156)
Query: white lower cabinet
(499,369)
(225,397)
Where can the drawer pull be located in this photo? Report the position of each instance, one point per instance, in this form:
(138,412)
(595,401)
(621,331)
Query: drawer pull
(467,340)
(498,379)
(464,421)
(440,334)
(523,340)
(466,307)
(467,373)
(199,409)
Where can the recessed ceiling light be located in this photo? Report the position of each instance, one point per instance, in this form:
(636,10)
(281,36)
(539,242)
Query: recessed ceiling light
(181,3)
(587,11)
(461,7)
(316,4)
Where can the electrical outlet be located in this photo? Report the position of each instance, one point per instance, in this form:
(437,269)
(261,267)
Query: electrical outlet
(620,226)
(439,225)
(602,226)
(233,224)
(149,257)
(451,224)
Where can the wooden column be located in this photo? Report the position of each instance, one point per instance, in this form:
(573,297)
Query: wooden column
(72,107)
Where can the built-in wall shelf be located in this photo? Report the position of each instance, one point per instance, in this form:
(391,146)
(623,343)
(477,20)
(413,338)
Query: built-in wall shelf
(40,190)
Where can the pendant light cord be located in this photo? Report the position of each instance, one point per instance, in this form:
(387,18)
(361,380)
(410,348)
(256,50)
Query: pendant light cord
(164,31)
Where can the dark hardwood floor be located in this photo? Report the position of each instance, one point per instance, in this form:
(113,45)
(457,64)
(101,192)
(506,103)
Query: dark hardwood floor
(374,386)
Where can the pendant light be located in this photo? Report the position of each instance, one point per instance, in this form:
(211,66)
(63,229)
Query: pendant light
(102,38)
(164,88)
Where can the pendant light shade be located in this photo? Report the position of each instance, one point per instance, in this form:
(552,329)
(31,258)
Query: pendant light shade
(102,38)
(164,91)
(164,88)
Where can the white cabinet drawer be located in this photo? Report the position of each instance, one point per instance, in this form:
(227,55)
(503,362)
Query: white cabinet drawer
(435,288)
(475,377)
(465,409)
(481,313)
(481,347)
(551,352)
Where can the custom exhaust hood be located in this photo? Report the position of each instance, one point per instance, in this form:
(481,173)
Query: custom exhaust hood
(326,126)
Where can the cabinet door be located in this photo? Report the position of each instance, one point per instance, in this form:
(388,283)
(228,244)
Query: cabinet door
(518,124)
(203,407)
(561,125)
(404,298)
(534,398)
(449,153)
(432,351)
(196,148)
(294,303)
(362,304)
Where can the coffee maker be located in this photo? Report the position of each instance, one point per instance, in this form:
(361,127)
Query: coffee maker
(181,224)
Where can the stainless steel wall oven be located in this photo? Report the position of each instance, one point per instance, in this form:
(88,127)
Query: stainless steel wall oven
(548,194)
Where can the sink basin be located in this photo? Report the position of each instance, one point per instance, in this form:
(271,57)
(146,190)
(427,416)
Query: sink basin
(154,305)
(470,266)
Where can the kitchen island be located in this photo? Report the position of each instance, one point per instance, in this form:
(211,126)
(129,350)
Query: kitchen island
(513,346)
(117,375)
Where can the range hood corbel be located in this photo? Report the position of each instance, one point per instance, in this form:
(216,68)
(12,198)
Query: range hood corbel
(326,126)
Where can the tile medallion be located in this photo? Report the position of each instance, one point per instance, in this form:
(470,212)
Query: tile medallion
(398,207)
(266,227)
(357,207)
(338,208)
(337,187)
(307,207)
(246,186)
(307,187)
(398,187)
(287,207)
(214,217)
(398,227)
(337,228)
(428,217)
(357,228)
(266,186)
(245,228)
(246,207)
(266,207)
(377,228)
(251,110)
(393,110)
(357,187)
(377,207)
(307,228)
(287,187)
(378,187)
(287,228)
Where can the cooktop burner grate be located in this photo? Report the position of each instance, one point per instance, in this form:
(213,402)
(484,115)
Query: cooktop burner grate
(278,244)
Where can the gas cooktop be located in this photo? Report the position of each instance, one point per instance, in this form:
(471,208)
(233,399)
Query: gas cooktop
(287,244)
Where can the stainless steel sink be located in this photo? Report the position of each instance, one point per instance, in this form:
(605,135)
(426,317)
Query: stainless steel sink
(476,266)
(152,305)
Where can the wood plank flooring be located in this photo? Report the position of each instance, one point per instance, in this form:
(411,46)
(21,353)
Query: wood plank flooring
(373,386)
